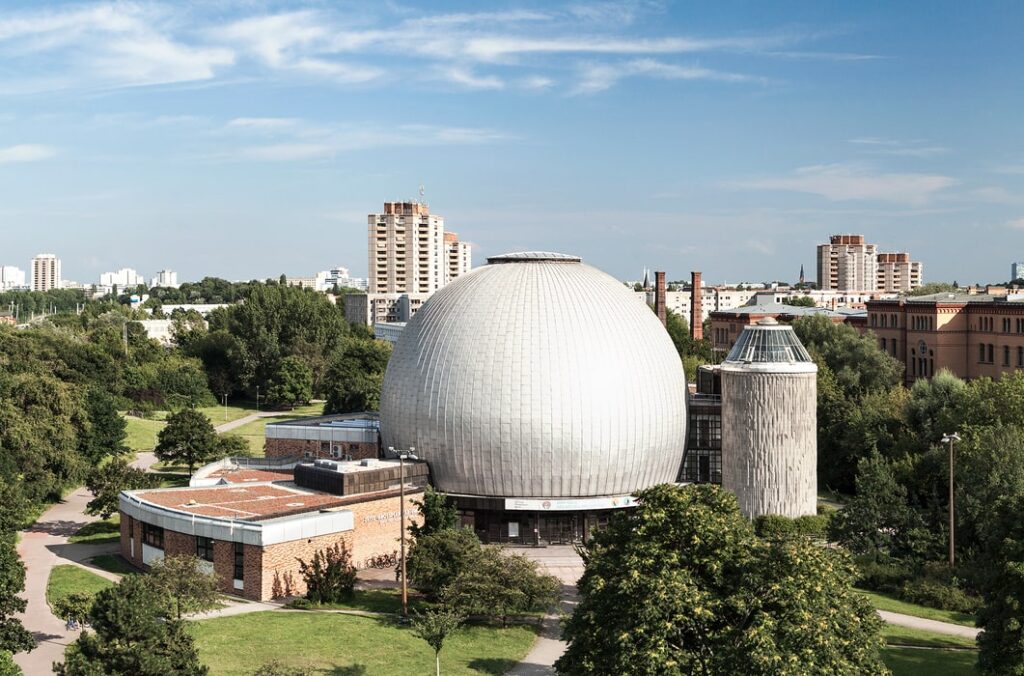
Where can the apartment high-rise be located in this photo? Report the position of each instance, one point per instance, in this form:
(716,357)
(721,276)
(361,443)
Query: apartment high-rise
(11,277)
(406,249)
(165,278)
(459,255)
(45,272)
(1016,270)
(122,279)
(848,263)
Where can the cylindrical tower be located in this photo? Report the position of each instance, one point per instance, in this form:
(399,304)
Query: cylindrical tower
(769,422)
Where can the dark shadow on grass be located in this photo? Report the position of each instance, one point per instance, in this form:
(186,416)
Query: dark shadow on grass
(352,670)
(492,665)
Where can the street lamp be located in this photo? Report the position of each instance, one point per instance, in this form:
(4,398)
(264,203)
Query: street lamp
(402,455)
(949,440)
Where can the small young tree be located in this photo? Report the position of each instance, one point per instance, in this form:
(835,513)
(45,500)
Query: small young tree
(134,636)
(188,587)
(74,607)
(232,446)
(106,483)
(434,561)
(438,514)
(187,438)
(497,585)
(330,576)
(434,627)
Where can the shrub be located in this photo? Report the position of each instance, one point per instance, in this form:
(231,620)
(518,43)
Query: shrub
(499,585)
(330,576)
(777,527)
(435,560)
(887,576)
(936,594)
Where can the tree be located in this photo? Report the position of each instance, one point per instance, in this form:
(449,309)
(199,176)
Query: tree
(74,607)
(14,638)
(434,627)
(499,585)
(681,585)
(106,483)
(107,428)
(291,383)
(1001,641)
(187,438)
(330,576)
(799,301)
(232,446)
(438,514)
(354,376)
(436,560)
(134,636)
(183,581)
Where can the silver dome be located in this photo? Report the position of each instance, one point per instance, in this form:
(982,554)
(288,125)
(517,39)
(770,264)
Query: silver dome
(537,376)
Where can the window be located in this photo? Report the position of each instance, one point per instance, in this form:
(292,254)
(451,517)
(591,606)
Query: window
(874,320)
(991,354)
(1006,355)
(1006,324)
(1020,357)
(153,536)
(981,352)
(325,448)
(239,561)
(884,346)
(204,548)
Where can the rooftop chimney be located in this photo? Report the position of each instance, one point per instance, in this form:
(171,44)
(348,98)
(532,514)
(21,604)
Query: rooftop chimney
(696,310)
(659,297)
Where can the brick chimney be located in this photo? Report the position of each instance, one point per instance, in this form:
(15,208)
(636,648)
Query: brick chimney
(696,309)
(659,297)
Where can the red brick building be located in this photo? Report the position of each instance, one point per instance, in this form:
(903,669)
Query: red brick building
(345,436)
(251,531)
(727,325)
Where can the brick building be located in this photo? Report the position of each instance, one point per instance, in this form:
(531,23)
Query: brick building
(727,326)
(252,529)
(344,436)
(970,334)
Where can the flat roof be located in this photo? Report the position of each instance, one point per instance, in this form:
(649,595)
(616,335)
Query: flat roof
(238,475)
(364,420)
(791,310)
(255,502)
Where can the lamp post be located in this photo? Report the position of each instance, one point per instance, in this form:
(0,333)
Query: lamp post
(949,440)
(402,455)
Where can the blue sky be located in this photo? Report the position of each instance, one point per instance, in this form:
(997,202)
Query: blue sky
(252,138)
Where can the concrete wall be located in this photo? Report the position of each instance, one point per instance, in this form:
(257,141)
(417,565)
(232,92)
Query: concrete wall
(769,441)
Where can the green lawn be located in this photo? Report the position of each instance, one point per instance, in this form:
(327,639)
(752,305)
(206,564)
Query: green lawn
(65,580)
(344,644)
(925,639)
(99,532)
(916,662)
(893,604)
(219,414)
(379,601)
(113,563)
(254,432)
(142,433)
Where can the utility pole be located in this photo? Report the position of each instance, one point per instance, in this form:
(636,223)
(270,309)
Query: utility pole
(402,455)
(949,440)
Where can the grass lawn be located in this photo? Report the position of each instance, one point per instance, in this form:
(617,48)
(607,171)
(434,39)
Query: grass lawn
(142,433)
(926,639)
(253,432)
(113,563)
(219,414)
(65,580)
(892,604)
(99,532)
(346,644)
(379,601)
(916,662)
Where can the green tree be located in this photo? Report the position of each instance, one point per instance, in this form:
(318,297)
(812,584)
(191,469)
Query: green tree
(291,383)
(355,375)
(106,483)
(1001,641)
(14,638)
(74,607)
(500,585)
(188,438)
(134,636)
(436,560)
(434,627)
(933,287)
(438,514)
(330,576)
(107,428)
(189,587)
(681,585)
(799,301)
(232,446)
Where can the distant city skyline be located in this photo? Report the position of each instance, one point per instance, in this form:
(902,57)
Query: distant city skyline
(249,140)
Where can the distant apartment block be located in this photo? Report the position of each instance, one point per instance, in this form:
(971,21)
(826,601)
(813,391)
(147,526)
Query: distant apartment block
(848,263)
(1016,270)
(125,278)
(459,256)
(374,308)
(166,279)
(11,278)
(45,272)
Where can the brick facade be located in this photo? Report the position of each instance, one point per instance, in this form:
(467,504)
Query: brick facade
(285,448)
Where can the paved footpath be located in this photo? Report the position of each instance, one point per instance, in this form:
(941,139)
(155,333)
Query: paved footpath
(228,426)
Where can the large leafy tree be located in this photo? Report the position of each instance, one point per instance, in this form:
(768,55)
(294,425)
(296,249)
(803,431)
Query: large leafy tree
(107,428)
(106,483)
(188,438)
(681,585)
(14,638)
(291,383)
(1001,617)
(355,375)
(135,635)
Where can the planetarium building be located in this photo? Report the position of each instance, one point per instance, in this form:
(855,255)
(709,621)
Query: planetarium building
(541,394)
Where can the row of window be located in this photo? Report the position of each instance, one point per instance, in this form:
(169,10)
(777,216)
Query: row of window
(154,537)
(885,320)
(986,354)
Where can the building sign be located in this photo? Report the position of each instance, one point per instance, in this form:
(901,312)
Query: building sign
(570,504)
(382,518)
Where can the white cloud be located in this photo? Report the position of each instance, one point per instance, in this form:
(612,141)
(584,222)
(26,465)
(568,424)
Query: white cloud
(897,148)
(1017,224)
(467,78)
(842,182)
(25,152)
(599,77)
(261,122)
(995,194)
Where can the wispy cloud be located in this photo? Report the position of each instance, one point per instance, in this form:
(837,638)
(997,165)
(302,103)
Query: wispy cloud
(25,152)
(1017,224)
(261,123)
(601,76)
(898,148)
(467,78)
(843,182)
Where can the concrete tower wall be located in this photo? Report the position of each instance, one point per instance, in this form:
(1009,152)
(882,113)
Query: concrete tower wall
(769,440)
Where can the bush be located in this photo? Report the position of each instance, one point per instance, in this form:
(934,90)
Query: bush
(940,595)
(330,576)
(885,576)
(777,527)
(499,585)
(435,560)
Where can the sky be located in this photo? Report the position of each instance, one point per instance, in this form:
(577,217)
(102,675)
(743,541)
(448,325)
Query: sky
(249,139)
